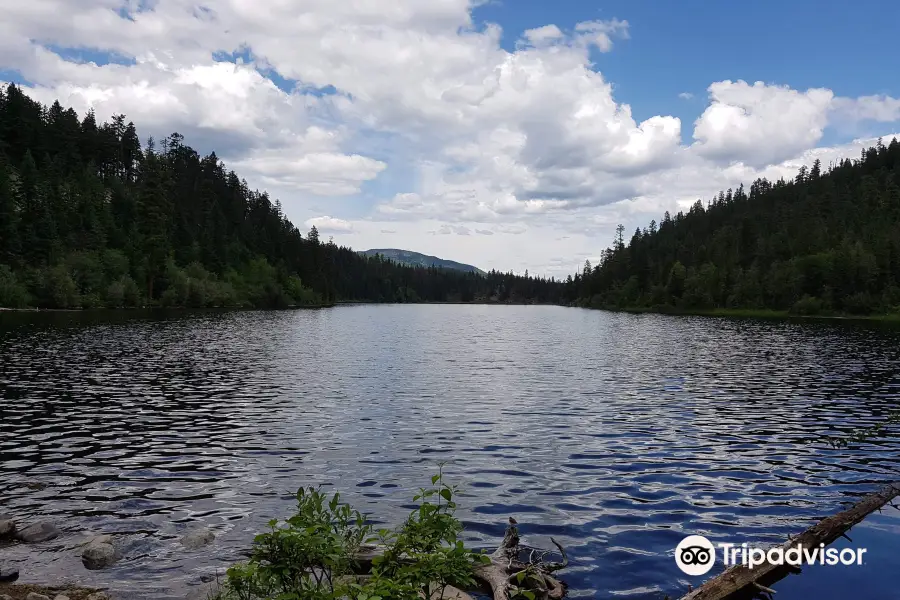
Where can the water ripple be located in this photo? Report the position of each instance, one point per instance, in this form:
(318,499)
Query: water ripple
(615,434)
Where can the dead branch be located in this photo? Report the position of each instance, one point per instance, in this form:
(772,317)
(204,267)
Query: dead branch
(740,580)
(502,575)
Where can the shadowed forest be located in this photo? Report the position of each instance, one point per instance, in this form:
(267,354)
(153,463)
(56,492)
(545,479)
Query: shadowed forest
(826,242)
(90,217)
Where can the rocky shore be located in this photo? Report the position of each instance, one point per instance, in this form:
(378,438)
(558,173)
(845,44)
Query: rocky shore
(97,552)
(37,592)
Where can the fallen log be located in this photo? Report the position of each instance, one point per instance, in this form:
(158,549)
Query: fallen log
(739,581)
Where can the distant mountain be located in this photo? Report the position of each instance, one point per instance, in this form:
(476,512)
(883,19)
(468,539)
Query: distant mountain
(415,259)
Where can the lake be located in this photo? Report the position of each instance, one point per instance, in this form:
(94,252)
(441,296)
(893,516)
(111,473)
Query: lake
(616,434)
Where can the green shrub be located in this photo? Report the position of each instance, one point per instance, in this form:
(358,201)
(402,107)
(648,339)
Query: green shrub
(115,295)
(310,556)
(86,271)
(808,305)
(59,289)
(301,295)
(131,294)
(115,264)
(860,303)
(91,301)
(12,293)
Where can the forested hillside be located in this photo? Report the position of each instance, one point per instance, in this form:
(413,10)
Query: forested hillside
(408,257)
(90,217)
(826,242)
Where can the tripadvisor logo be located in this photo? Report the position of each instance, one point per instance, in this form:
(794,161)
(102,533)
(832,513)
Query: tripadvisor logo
(696,555)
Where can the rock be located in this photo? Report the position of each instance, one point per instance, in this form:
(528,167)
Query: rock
(7,527)
(98,555)
(5,597)
(198,538)
(97,596)
(100,539)
(38,532)
(95,539)
(8,574)
(36,596)
(61,597)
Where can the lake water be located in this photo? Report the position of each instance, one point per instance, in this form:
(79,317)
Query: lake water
(616,434)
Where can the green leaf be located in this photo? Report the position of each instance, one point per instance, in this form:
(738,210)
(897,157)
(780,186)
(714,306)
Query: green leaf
(528,594)
(446,494)
(434,478)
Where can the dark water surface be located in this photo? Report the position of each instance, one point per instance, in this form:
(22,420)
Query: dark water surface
(616,434)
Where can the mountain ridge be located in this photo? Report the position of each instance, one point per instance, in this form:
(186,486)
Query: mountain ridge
(418,259)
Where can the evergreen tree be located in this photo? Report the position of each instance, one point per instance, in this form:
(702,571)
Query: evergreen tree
(88,218)
(825,241)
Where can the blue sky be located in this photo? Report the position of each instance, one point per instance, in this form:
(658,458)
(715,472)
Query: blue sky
(391,124)
(683,46)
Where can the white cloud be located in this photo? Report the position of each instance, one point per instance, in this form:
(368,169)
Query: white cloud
(540,35)
(760,124)
(686,95)
(328,224)
(600,33)
(884,109)
(426,115)
(319,173)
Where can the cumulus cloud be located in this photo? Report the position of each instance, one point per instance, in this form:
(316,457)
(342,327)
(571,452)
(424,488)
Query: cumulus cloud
(541,35)
(760,124)
(884,109)
(418,110)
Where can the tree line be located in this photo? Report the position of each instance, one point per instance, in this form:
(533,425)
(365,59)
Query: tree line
(90,217)
(827,241)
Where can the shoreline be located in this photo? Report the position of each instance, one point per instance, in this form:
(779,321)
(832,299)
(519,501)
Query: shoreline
(748,313)
(292,307)
(157,308)
(20,591)
(730,313)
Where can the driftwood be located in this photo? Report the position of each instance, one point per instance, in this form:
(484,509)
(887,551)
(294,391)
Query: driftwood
(501,575)
(739,581)
(509,563)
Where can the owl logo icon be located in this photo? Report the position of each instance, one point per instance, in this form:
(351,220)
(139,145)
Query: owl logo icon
(695,555)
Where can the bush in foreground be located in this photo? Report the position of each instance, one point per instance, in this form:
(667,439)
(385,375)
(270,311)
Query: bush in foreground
(312,555)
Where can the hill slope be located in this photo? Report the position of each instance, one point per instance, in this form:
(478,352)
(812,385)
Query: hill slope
(824,242)
(89,218)
(416,259)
